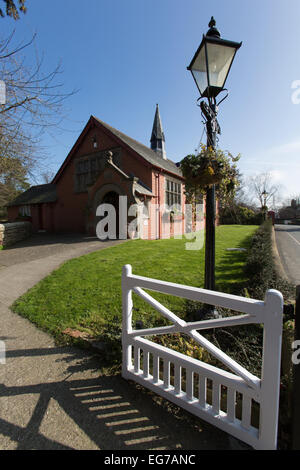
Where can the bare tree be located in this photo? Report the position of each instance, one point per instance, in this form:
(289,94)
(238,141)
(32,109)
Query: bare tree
(12,9)
(34,98)
(33,105)
(47,176)
(264,190)
(244,197)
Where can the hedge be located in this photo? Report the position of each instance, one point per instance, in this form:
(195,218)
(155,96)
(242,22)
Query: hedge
(260,267)
(240,215)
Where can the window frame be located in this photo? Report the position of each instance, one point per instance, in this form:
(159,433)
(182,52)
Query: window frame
(25,210)
(173,192)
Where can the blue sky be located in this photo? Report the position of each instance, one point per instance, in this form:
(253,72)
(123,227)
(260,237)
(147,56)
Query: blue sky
(124,56)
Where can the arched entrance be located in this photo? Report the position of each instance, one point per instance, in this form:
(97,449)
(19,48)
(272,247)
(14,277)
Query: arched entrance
(108,194)
(112,198)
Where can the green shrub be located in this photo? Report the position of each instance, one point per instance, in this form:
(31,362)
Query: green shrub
(260,268)
(240,215)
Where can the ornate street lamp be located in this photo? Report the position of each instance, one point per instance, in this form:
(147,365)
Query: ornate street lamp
(212,62)
(210,67)
(265,195)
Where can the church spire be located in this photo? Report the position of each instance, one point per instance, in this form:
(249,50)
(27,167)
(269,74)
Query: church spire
(157,137)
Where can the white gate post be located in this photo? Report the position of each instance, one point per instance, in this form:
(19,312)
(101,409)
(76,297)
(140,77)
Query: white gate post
(271,363)
(126,320)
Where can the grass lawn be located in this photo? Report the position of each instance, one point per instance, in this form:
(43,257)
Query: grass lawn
(85,293)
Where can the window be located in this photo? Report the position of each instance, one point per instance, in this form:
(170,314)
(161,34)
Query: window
(24,211)
(88,168)
(82,169)
(95,142)
(173,193)
(93,165)
(85,166)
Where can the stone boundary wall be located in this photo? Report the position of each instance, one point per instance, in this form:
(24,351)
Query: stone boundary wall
(11,233)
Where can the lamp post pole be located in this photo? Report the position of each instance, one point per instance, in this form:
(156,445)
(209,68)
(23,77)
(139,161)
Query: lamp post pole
(212,128)
(210,221)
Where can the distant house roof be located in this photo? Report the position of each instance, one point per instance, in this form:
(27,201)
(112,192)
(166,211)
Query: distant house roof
(36,195)
(147,153)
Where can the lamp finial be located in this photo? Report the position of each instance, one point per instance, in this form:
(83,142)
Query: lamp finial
(212,22)
(212,28)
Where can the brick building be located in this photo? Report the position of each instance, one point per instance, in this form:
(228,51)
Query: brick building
(104,164)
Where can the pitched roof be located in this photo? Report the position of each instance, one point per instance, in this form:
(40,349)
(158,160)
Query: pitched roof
(141,188)
(148,154)
(36,195)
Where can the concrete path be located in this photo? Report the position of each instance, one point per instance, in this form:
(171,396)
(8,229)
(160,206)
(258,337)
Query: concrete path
(288,244)
(55,397)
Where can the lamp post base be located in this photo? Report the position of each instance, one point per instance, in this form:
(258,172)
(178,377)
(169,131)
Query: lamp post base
(209,312)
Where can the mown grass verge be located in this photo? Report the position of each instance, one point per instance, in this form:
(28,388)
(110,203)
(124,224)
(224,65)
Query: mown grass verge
(85,293)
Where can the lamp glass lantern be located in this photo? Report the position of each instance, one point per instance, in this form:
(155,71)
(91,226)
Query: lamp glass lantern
(211,63)
(265,195)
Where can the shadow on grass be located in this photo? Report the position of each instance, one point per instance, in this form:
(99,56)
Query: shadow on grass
(230,269)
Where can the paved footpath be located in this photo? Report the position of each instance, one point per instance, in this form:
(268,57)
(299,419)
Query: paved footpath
(55,397)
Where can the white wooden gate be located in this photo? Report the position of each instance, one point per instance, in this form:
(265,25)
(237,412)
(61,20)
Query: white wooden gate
(149,364)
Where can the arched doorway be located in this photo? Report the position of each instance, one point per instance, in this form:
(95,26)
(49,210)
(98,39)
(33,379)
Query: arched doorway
(111,198)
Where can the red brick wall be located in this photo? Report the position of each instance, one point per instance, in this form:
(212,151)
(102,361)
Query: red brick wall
(12,213)
(42,216)
(160,227)
(71,208)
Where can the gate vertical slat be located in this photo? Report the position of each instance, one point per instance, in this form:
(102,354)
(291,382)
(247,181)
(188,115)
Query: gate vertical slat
(137,359)
(189,384)
(231,396)
(202,391)
(155,368)
(216,397)
(166,373)
(246,412)
(146,364)
(177,379)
